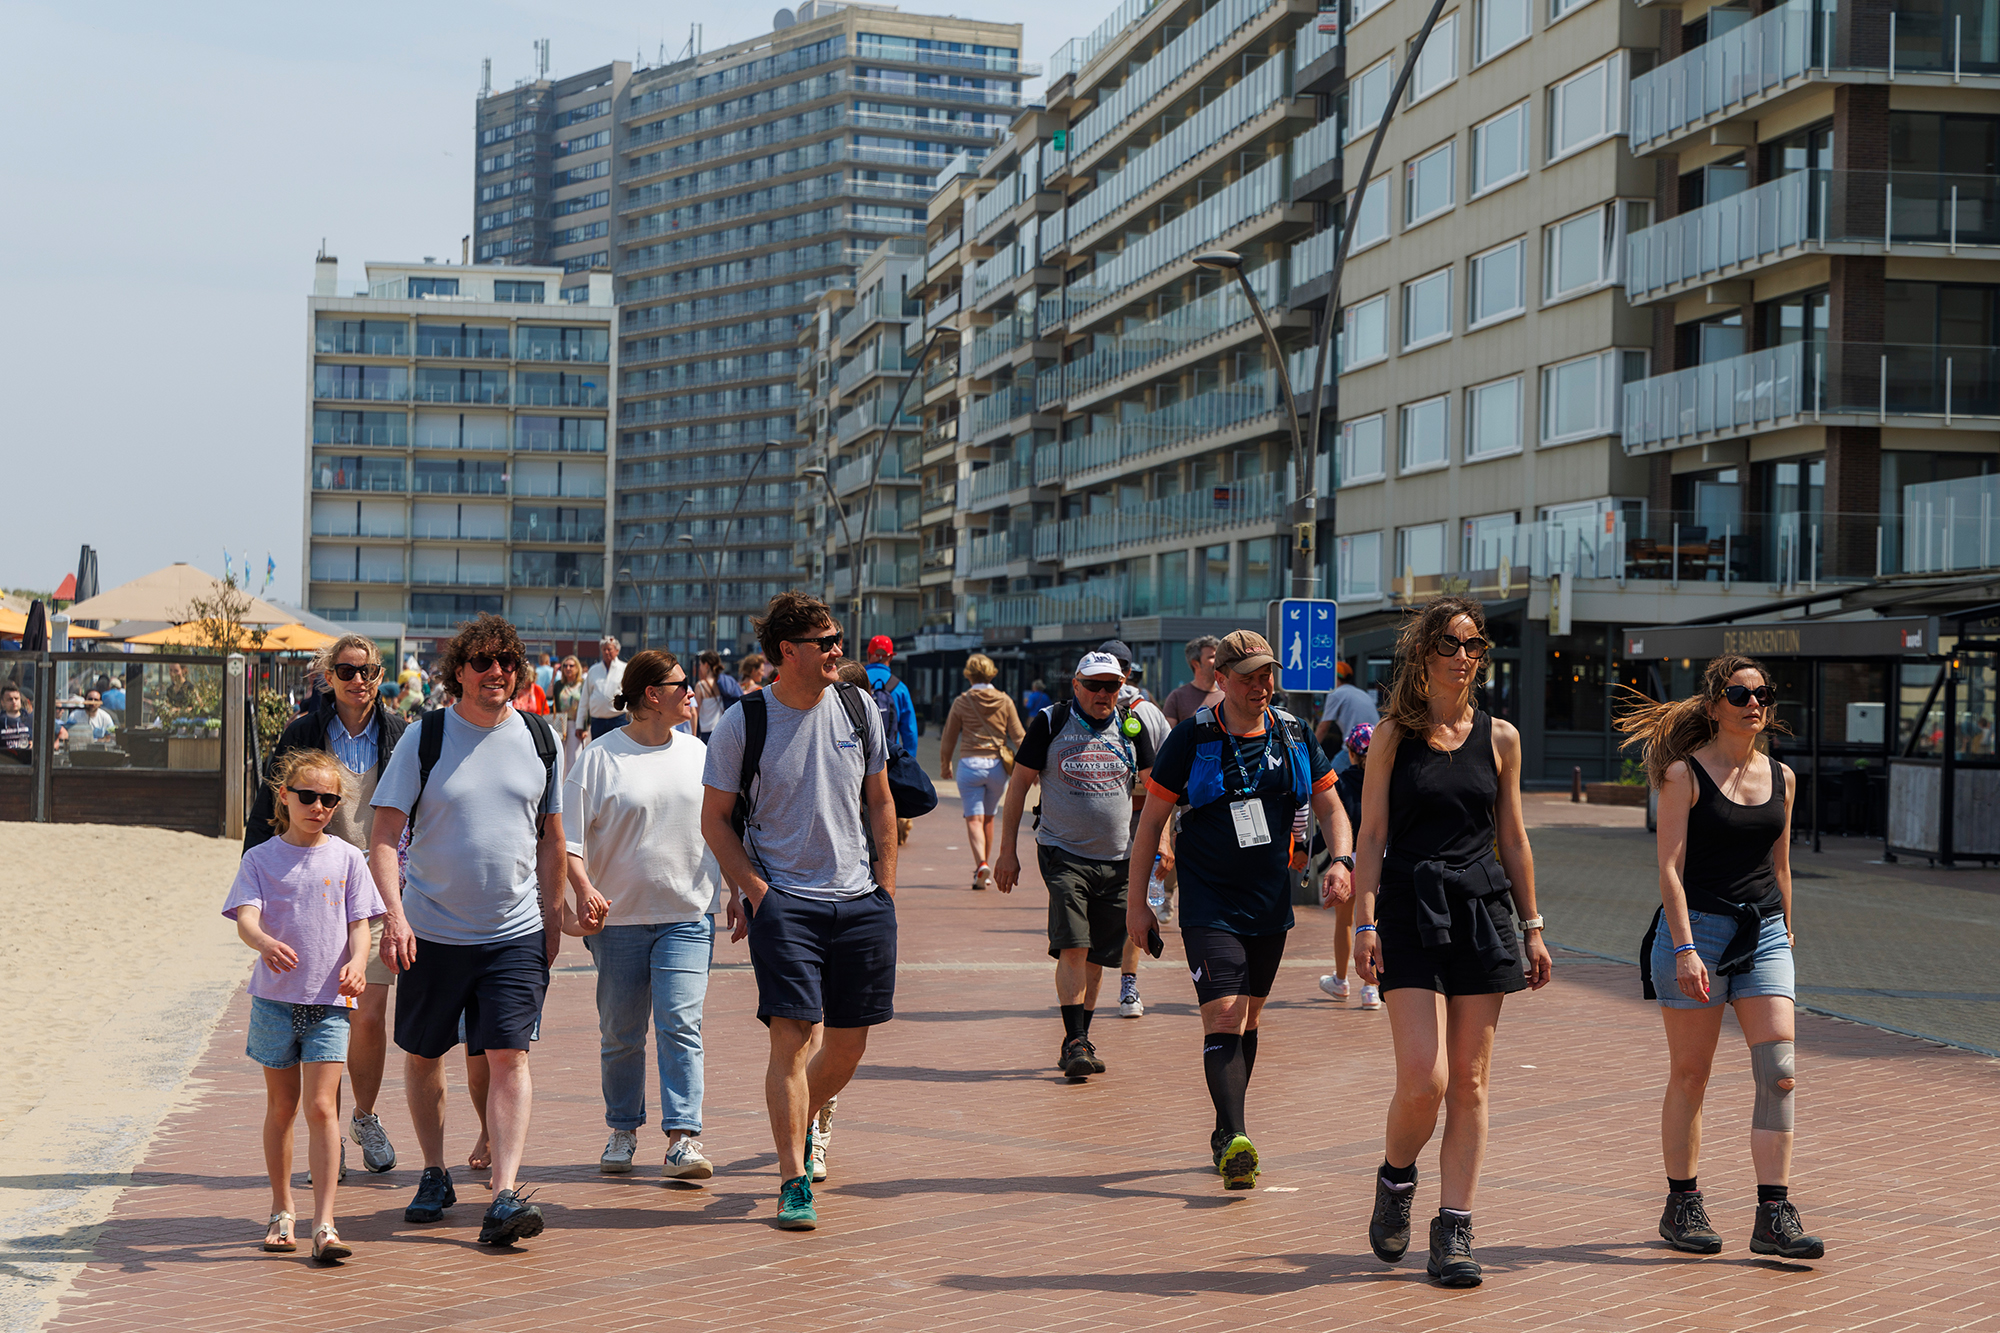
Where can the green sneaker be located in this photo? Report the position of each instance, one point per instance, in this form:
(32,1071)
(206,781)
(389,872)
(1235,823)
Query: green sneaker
(1239,1164)
(795,1205)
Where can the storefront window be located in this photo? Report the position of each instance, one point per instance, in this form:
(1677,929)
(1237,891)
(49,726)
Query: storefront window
(1573,699)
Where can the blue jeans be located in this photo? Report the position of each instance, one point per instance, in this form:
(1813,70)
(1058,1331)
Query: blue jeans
(661,970)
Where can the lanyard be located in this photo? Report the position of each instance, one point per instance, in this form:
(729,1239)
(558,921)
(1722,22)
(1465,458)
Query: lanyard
(1236,764)
(1129,756)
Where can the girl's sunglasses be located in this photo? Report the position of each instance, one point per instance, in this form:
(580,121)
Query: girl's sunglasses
(484,662)
(329,799)
(367,671)
(1738,695)
(1449,644)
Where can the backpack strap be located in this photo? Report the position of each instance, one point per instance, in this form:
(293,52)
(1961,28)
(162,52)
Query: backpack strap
(857,703)
(430,746)
(1058,716)
(545,749)
(1206,728)
(756,720)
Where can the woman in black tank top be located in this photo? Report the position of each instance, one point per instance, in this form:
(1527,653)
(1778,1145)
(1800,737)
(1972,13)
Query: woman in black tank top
(1441,852)
(1722,935)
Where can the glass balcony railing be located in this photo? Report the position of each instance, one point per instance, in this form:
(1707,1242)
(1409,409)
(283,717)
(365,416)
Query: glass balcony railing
(452,530)
(1207,221)
(459,483)
(992,273)
(1090,602)
(462,391)
(1115,356)
(1812,208)
(997,409)
(344,476)
(943,249)
(1258,499)
(1309,44)
(327,571)
(591,534)
(475,346)
(362,344)
(1112,442)
(995,551)
(1001,337)
(383,386)
(942,371)
(1074,54)
(1196,43)
(1948,526)
(990,484)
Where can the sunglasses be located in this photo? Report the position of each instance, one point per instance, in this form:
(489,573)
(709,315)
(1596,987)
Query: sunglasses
(485,662)
(1101,686)
(683,685)
(1449,644)
(348,671)
(1738,695)
(826,643)
(329,799)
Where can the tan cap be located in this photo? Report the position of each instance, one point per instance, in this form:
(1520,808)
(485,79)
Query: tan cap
(1243,652)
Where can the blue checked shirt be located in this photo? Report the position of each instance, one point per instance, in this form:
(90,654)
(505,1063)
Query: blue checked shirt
(357,753)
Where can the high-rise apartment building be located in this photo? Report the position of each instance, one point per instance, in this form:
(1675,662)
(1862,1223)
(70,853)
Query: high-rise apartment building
(458,449)
(543,184)
(747,183)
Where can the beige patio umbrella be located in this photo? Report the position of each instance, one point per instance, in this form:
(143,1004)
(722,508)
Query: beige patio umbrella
(164,594)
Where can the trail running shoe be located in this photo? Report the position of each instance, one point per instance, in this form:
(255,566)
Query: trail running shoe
(1334,986)
(618,1153)
(434,1195)
(1451,1262)
(1217,1141)
(1371,997)
(795,1205)
(1685,1225)
(818,1135)
(1389,1228)
(510,1217)
(685,1161)
(1239,1163)
(377,1153)
(1129,1003)
(1780,1232)
(1076,1061)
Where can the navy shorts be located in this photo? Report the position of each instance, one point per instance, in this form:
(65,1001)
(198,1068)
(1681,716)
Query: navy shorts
(497,988)
(822,961)
(1224,964)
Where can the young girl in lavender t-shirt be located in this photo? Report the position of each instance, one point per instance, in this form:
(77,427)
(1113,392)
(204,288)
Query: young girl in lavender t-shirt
(303,901)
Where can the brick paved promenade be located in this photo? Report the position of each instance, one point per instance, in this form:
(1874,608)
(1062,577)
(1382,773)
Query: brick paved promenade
(973,1189)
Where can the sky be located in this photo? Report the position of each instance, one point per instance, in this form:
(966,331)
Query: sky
(173,178)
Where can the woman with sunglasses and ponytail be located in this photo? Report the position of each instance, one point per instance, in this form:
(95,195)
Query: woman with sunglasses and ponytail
(1723,935)
(1441,850)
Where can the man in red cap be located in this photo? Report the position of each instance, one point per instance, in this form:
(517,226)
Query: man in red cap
(899,710)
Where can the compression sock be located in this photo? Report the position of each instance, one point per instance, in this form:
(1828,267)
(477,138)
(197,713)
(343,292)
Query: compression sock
(1687,1186)
(1083,1024)
(1074,1022)
(1249,1054)
(1398,1175)
(1222,1063)
(1774,1193)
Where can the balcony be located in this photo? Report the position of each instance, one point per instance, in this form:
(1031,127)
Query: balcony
(574,534)
(990,485)
(561,395)
(595,349)
(944,249)
(940,436)
(1811,212)
(394,388)
(855,476)
(892,367)
(944,495)
(1835,383)
(461,392)
(942,371)
(1092,602)
(980,557)
(455,531)
(941,310)
(350,572)
(996,411)
(1258,499)
(1195,44)
(338,477)
(1208,221)
(1164,428)
(997,340)
(569,488)
(470,347)
(852,425)
(452,576)
(361,344)
(459,483)
(350,526)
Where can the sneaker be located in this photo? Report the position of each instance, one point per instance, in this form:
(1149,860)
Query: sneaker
(1164,913)
(1076,1059)
(1389,1228)
(1334,986)
(1451,1262)
(341,1179)
(685,1162)
(377,1153)
(1090,1049)
(510,1217)
(1779,1231)
(1218,1141)
(1371,997)
(1129,1003)
(618,1153)
(818,1135)
(1685,1225)
(434,1195)
(982,876)
(1238,1164)
(795,1205)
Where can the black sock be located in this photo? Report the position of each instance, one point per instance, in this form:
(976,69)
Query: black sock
(1074,1022)
(1249,1054)
(1456,1215)
(1222,1062)
(1399,1175)
(1774,1193)
(1682,1186)
(1083,1024)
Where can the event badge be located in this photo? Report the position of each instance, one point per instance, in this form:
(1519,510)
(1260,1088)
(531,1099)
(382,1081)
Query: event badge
(1252,830)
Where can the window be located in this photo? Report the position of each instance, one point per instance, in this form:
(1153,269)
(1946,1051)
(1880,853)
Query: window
(1586,107)
(1427,184)
(422,287)
(1580,398)
(582,203)
(1497,26)
(1361,9)
(1214,576)
(1489,539)
(1368,97)
(1438,63)
(1498,284)
(1261,577)
(1173,581)
(529,293)
(1560,8)
(1427,310)
(1493,419)
(1582,252)
(1358,566)
(1364,332)
(1371,227)
(1420,550)
(583,143)
(1424,435)
(1358,457)
(1500,150)
(589,231)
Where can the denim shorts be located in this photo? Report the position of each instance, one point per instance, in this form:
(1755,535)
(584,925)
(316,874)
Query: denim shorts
(982,785)
(274,1045)
(1770,972)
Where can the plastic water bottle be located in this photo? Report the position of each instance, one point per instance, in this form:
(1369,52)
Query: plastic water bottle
(1156,887)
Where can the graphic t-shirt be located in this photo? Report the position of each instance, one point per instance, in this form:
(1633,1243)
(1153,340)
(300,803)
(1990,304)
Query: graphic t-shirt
(1088,770)
(307,897)
(17,732)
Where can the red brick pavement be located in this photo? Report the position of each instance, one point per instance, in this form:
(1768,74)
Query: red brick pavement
(972,1188)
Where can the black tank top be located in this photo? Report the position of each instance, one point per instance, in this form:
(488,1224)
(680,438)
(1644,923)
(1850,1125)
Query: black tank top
(1441,802)
(1729,845)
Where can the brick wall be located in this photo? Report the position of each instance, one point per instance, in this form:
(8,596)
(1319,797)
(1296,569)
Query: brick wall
(1853,494)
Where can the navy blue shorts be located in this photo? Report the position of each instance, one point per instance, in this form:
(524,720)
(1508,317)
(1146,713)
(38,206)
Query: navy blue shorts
(821,961)
(498,988)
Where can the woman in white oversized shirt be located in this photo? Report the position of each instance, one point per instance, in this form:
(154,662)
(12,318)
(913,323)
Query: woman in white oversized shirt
(632,809)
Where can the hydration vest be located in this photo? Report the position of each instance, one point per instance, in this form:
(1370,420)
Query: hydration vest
(1209,779)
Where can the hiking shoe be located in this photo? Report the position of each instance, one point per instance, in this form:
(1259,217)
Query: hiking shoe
(1076,1059)
(818,1135)
(434,1195)
(1779,1231)
(685,1161)
(795,1205)
(1129,1003)
(1334,986)
(341,1179)
(377,1153)
(618,1153)
(1451,1262)
(1389,1228)
(1239,1163)
(1371,997)
(510,1217)
(1685,1225)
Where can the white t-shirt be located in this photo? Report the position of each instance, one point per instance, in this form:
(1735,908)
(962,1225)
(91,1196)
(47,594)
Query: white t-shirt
(600,686)
(633,814)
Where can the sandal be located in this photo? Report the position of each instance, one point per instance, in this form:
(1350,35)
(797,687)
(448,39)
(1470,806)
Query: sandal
(329,1248)
(284,1244)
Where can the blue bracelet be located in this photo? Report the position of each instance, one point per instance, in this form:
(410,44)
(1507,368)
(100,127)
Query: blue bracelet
(1359,929)
(1682,948)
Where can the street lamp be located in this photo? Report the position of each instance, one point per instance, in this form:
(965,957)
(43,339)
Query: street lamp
(715,593)
(818,472)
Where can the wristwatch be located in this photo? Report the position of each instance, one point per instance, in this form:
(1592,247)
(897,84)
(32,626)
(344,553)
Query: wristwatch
(1531,923)
(1344,860)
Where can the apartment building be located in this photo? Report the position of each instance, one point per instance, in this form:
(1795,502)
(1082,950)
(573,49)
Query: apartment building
(458,449)
(544,180)
(750,182)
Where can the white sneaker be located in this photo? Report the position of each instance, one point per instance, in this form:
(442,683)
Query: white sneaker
(1371,997)
(983,876)
(1129,1003)
(818,1134)
(1164,913)
(1334,986)
(617,1159)
(685,1162)
(377,1153)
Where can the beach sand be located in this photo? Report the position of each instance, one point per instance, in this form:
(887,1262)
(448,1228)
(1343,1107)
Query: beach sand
(115,963)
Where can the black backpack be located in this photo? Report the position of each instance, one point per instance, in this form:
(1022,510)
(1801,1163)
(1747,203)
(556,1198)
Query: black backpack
(430,745)
(909,786)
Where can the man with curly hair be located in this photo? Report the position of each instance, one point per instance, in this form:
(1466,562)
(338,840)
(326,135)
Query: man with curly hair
(475,916)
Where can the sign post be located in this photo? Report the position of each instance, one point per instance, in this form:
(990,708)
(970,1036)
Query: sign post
(1305,634)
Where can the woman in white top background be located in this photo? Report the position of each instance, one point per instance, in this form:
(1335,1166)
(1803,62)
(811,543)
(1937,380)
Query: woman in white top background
(635,798)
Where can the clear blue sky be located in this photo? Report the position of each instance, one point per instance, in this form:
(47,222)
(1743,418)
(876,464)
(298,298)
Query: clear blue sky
(169,184)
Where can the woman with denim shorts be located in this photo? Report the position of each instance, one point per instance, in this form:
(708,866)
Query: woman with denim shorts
(984,723)
(1723,934)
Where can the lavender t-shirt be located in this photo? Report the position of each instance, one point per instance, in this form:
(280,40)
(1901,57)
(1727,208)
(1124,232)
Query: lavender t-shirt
(308,896)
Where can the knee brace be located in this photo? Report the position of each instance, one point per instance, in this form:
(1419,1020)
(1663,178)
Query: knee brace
(1771,1066)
